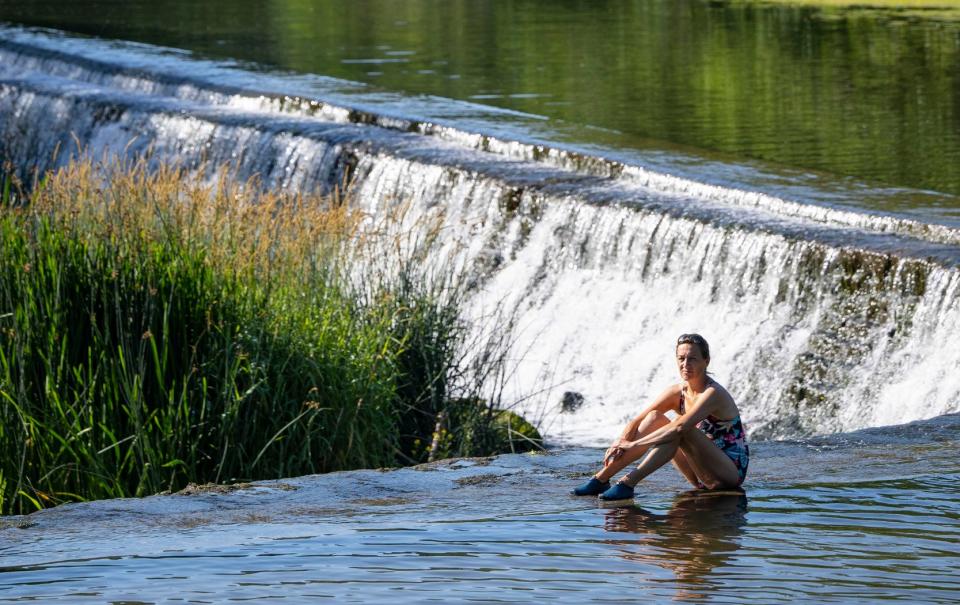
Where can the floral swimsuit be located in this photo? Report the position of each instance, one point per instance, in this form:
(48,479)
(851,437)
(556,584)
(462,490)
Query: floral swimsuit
(728,435)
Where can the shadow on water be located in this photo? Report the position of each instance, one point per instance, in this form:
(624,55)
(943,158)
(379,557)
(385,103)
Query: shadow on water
(701,531)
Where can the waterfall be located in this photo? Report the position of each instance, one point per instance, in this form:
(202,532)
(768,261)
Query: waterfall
(821,318)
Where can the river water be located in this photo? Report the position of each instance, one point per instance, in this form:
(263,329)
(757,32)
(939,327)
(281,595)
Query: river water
(858,518)
(851,92)
(781,179)
(825,317)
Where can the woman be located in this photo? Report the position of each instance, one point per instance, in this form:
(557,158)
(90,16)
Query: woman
(706,442)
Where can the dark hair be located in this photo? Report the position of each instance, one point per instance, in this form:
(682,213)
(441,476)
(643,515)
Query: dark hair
(695,339)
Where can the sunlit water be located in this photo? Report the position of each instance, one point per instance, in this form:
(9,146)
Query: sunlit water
(860,517)
(857,518)
(601,261)
(868,93)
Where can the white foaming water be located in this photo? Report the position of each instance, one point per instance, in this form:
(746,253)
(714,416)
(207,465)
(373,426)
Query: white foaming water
(600,268)
(601,293)
(918,384)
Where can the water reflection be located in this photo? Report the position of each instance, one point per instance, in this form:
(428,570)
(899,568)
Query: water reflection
(699,533)
(820,87)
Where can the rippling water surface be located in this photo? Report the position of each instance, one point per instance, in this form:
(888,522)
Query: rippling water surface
(862,517)
(867,93)
(858,517)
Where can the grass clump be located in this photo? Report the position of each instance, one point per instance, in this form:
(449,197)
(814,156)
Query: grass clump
(159,329)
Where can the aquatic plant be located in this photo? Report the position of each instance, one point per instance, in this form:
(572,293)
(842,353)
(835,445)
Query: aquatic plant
(159,327)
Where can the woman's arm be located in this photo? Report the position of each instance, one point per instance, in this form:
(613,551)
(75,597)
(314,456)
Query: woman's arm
(701,408)
(665,401)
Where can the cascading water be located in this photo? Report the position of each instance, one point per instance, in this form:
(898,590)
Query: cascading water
(822,318)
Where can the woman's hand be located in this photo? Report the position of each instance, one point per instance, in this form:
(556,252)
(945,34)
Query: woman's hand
(613,452)
(616,450)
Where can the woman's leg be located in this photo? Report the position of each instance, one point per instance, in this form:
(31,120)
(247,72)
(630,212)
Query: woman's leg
(650,423)
(714,468)
(683,465)
(656,457)
(653,421)
(703,458)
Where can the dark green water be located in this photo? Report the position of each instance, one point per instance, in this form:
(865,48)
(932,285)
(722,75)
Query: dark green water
(866,93)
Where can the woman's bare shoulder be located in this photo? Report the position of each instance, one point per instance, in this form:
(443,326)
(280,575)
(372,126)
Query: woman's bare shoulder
(720,398)
(716,386)
(670,396)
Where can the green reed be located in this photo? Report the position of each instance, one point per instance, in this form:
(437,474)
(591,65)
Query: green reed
(157,330)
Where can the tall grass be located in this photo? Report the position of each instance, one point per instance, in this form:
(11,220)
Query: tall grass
(157,329)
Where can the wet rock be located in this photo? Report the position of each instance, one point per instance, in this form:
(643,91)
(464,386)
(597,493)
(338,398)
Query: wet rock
(571,402)
(516,433)
(193,489)
(482,480)
(458,462)
(16,523)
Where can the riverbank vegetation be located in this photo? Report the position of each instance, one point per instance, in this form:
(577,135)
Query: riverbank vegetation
(159,328)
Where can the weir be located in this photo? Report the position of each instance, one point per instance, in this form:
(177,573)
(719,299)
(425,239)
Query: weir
(822,319)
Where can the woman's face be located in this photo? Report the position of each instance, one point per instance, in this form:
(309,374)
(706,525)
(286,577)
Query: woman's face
(691,362)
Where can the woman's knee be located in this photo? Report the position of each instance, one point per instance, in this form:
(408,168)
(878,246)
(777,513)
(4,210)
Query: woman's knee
(653,419)
(686,435)
(712,483)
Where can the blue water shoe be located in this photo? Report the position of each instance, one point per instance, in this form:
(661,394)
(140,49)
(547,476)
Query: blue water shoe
(591,488)
(619,491)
